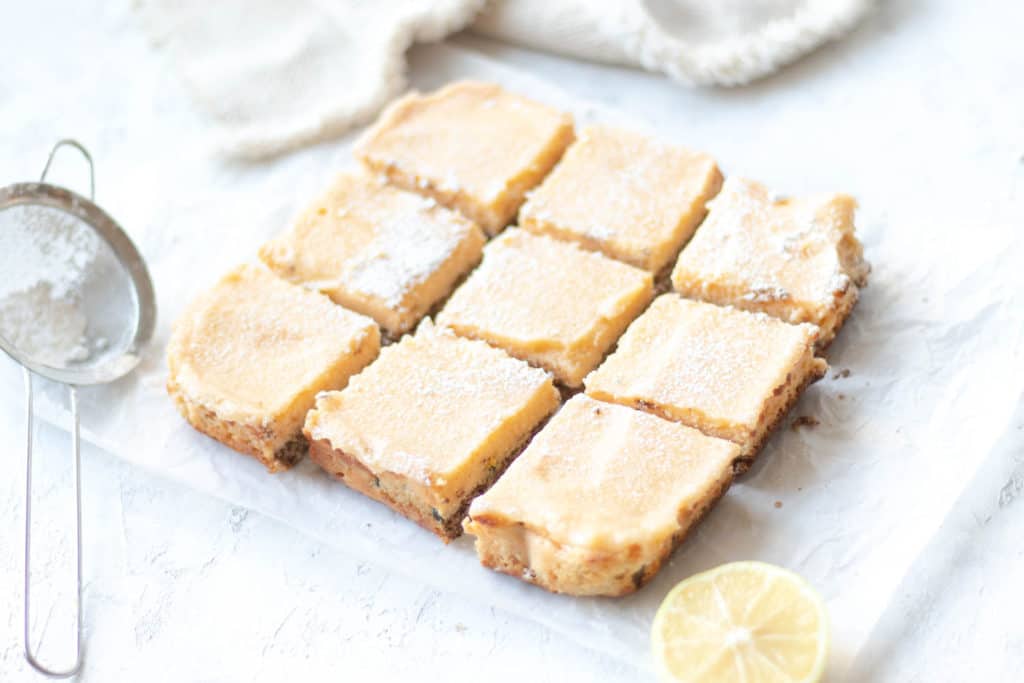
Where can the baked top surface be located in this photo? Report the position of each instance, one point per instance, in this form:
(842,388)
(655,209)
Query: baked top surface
(759,249)
(623,191)
(466,137)
(253,343)
(724,363)
(601,476)
(373,240)
(541,294)
(432,405)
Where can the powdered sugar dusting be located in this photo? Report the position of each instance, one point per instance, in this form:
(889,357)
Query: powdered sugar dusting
(47,328)
(765,293)
(367,240)
(534,290)
(602,474)
(697,361)
(44,255)
(600,231)
(625,191)
(763,250)
(409,246)
(429,403)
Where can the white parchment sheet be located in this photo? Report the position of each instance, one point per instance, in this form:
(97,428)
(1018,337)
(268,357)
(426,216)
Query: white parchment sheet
(935,353)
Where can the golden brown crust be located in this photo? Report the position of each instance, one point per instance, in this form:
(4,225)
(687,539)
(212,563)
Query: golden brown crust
(249,439)
(400,493)
(846,301)
(383,489)
(576,571)
(599,499)
(750,453)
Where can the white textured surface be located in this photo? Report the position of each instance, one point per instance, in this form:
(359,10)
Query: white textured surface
(182,587)
(171,588)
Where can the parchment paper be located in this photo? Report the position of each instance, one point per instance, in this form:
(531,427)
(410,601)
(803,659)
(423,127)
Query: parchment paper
(934,353)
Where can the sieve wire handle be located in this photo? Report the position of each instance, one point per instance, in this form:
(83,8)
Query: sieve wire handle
(77,473)
(76,461)
(68,142)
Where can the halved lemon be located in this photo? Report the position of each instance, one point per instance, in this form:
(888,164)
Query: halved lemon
(743,622)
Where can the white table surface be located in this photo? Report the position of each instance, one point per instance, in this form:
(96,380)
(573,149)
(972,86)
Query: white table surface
(183,587)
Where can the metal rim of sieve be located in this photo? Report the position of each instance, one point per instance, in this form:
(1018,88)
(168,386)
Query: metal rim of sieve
(85,210)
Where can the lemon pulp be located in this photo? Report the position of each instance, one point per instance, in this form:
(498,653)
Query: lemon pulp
(744,622)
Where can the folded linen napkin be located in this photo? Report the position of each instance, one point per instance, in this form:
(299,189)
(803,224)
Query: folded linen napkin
(276,76)
(695,42)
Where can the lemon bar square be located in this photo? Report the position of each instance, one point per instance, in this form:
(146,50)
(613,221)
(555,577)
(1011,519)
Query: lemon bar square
(727,372)
(796,259)
(623,194)
(430,424)
(599,499)
(471,146)
(248,357)
(548,302)
(377,250)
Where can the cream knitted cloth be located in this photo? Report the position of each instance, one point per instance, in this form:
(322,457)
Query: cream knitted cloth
(696,42)
(275,75)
